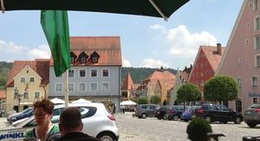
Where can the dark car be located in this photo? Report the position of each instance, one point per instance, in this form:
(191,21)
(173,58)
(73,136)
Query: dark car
(146,110)
(187,114)
(24,114)
(252,115)
(161,112)
(175,111)
(216,112)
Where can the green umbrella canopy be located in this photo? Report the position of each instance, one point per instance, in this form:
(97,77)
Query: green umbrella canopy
(155,8)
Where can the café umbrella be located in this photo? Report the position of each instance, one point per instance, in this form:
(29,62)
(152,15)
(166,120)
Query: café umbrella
(154,8)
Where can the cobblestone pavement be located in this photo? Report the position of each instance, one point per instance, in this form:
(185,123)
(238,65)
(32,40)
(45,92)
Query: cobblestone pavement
(152,129)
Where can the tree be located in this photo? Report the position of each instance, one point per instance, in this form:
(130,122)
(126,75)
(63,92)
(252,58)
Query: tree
(155,99)
(221,89)
(188,92)
(142,101)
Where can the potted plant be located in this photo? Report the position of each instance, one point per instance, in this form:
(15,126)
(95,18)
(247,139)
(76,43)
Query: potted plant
(198,129)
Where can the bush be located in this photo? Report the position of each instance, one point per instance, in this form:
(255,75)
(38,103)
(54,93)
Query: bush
(198,129)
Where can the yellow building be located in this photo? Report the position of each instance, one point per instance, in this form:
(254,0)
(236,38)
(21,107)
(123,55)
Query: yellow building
(27,82)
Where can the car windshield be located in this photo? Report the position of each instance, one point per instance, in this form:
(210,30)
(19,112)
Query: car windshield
(255,106)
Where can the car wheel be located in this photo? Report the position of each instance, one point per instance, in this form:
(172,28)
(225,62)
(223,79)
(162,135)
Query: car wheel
(106,137)
(238,120)
(175,117)
(251,125)
(144,116)
(165,117)
(208,118)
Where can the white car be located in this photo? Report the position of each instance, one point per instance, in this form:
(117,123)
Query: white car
(98,122)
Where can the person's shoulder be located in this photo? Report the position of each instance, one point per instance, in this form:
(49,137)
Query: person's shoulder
(29,135)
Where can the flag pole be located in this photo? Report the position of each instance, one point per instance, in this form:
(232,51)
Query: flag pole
(65,83)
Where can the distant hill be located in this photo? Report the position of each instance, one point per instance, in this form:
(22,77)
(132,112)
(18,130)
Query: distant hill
(4,69)
(139,74)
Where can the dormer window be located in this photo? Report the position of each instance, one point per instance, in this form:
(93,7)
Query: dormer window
(72,58)
(94,57)
(83,58)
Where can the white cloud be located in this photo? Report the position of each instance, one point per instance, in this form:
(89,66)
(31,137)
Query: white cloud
(41,52)
(126,63)
(182,45)
(151,63)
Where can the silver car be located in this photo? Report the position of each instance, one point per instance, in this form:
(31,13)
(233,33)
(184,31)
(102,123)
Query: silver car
(98,122)
(252,115)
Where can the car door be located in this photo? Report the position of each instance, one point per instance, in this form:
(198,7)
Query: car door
(214,112)
(151,110)
(225,113)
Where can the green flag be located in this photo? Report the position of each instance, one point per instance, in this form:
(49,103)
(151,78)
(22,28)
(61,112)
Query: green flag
(56,28)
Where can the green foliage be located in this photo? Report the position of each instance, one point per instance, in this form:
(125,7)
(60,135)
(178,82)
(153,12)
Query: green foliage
(155,99)
(221,88)
(4,69)
(142,101)
(188,92)
(198,129)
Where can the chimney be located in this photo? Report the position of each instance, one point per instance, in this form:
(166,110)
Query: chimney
(219,48)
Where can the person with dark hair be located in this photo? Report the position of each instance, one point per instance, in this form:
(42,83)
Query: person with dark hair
(71,126)
(45,130)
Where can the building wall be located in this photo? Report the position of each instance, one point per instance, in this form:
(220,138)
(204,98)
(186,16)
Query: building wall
(31,87)
(239,59)
(113,80)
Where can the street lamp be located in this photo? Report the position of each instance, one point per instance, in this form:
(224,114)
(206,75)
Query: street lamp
(18,96)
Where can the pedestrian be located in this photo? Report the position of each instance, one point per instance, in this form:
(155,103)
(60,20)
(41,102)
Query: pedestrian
(45,130)
(123,108)
(71,126)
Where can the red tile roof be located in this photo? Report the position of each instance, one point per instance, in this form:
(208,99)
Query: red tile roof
(2,94)
(108,47)
(40,66)
(212,55)
(164,78)
(128,83)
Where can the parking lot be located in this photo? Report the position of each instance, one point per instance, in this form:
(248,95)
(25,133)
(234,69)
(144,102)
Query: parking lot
(152,129)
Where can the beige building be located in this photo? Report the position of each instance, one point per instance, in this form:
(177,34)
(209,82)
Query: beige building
(242,56)
(27,82)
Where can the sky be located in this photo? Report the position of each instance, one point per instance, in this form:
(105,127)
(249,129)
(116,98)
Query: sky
(145,41)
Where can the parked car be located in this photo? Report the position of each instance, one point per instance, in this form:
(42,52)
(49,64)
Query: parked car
(161,112)
(252,115)
(216,112)
(187,114)
(23,114)
(175,111)
(146,110)
(97,122)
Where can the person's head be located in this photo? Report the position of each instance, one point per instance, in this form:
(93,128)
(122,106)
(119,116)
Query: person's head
(70,121)
(43,111)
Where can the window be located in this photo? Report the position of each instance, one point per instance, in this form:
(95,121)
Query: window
(37,95)
(31,79)
(26,95)
(257,61)
(58,87)
(71,87)
(22,79)
(255,100)
(255,5)
(83,59)
(82,87)
(239,82)
(94,87)
(105,73)
(94,59)
(105,87)
(93,73)
(257,23)
(254,81)
(82,73)
(71,73)
(257,42)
